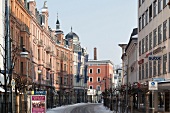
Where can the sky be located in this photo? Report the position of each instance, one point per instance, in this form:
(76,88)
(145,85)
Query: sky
(99,23)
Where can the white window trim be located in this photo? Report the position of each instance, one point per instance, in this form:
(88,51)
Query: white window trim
(98,86)
(97,79)
(91,85)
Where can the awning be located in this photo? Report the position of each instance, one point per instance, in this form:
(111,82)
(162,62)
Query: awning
(2,90)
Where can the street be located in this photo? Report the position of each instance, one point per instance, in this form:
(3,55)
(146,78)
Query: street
(80,108)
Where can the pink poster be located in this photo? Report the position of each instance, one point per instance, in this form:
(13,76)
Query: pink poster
(38,104)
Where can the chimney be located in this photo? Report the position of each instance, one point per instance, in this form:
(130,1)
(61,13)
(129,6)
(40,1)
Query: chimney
(95,53)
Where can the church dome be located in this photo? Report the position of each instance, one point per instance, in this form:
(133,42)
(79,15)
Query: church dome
(72,35)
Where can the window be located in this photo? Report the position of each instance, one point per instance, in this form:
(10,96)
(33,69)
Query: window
(143,20)
(150,12)
(91,79)
(150,69)
(150,41)
(154,38)
(64,67)
(154,68)
(140,2)
(146,70)
(164,63)
(143,71)
(22,68)
(98,79)
(154,8)
(146,17)
(164,30)
(21,42)
(91,71)
(98,88)
(143,45)
(146,44)
(140,23)
(165,2)
(159,67)
(38,54)
(139,48)
(98,70)
(90,87)
(159,34)
(140,72)
(159,5)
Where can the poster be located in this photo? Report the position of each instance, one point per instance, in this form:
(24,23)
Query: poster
(38,104)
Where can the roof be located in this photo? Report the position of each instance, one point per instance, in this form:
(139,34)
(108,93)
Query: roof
(57,22)
(71,35)
(100,62)
(133,36)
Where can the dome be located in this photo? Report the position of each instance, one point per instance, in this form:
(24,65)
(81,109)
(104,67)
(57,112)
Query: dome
(72,35)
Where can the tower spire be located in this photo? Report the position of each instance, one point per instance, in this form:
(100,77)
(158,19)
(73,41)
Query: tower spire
(57,23)
(57,15)
(71,29)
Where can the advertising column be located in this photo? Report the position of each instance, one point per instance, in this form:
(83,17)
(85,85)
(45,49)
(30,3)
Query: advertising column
(38,103)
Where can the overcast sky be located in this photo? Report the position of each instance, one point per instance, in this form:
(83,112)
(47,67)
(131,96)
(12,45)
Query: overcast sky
(98,23)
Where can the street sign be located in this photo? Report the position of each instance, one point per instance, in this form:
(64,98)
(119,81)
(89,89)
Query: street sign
(153,85)
(12,82)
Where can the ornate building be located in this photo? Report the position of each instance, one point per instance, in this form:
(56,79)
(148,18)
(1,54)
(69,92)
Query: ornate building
(79,69)
(20,37)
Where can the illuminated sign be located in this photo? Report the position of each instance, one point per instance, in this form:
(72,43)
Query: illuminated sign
(154,57)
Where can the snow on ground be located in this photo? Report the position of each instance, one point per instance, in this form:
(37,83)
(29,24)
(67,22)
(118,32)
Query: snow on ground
(63,108)
(102,109)
(67,108)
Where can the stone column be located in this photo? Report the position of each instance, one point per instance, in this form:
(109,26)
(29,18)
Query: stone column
(131,103)
(156,101)
(147,102)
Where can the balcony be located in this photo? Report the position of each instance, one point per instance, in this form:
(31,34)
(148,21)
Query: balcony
(25,28)
(48,49)
(48,65)
(40,43)
(52,53)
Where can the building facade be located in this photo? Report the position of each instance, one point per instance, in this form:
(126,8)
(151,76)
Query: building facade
(100,73)
(43,52)
(20,38)
(79,69)
(153,52)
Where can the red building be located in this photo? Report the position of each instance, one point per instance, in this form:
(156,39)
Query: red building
(100,74)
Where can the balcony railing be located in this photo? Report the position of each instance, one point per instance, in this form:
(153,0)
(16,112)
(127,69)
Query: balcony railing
(25,28)
(48,65)
(40,43)
(48,49)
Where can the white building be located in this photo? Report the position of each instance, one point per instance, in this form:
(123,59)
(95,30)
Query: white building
(2,23)
(131,61)
(153,39)
(118,78)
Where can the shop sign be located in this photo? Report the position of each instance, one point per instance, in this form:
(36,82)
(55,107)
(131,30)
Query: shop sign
(153,85)
(154,57)
(159,79)
(39,92)
(148,54)
(38,104)
(159,49)
(141,61)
